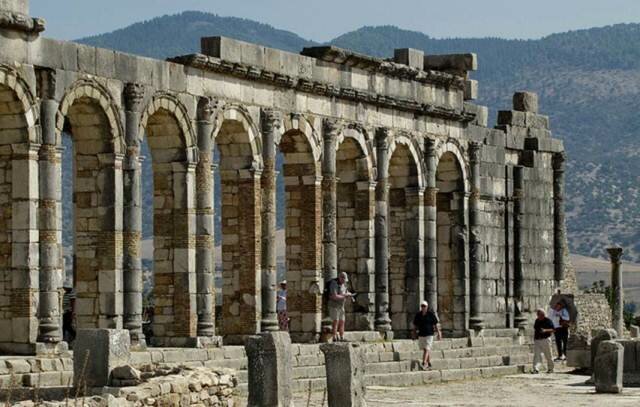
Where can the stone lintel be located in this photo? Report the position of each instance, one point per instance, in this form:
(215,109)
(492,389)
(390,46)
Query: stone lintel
(409,56)
(451,62)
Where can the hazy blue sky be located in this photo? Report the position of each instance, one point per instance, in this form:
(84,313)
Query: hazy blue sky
(322,20)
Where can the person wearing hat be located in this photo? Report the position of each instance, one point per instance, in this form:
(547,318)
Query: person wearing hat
(425,324)
(281,307)
(338,293)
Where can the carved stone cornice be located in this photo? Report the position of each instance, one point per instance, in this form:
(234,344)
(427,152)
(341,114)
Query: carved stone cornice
(256,73)
(133,96)
(21,22)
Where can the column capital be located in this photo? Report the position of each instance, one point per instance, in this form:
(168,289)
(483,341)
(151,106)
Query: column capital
(133,96)
(270,120)
(208,108)
(430,146)
(384,137)
(474,151)
(615,254)
(331,128)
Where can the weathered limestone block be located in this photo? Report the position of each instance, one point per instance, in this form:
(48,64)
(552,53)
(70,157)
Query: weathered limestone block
(270,369)
(409,56)
(97,352)
(525,102)
(597,338)
(344,364)
(608,367)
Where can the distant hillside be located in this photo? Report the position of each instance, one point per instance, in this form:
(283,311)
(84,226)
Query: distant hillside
(588,81)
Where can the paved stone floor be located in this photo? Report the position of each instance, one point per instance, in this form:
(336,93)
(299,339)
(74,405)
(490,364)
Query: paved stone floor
(559,389)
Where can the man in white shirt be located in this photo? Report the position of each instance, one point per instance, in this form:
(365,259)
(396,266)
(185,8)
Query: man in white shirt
(560,317)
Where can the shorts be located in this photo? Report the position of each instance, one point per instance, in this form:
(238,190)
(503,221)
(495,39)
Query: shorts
(336,313)
(425,342)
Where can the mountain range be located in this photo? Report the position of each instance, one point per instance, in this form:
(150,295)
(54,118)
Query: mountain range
(588,82)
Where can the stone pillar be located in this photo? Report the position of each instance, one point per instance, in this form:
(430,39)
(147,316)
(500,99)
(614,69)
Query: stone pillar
(132,222)
(431,227)
(50,237)
(615,254)
(96,352)
(270,370)
(345,364)
(205,269)
(608,367)
(414,232)
(559,230)
(331,129)
(520,319)
(475,319)
(382,321)
(363,281)
(25,251)
(599,337)
(270,122)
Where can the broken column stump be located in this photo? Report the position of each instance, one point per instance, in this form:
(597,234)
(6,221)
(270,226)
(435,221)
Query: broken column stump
(599,337)
(270,369)
(96,353)
(344,363)
(608,367)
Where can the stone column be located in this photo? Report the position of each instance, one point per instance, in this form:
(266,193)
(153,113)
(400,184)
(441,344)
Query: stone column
(475,319)
(132,222)
(331,129)
(520,319)
(608,367)
(382,321)
(205,269)
(345,364)
(270,122)
(50,215)
(615,255)
(431,227)
(270,370)
(559,230)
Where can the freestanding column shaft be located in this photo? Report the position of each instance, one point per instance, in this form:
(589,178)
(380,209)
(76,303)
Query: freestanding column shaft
(132,261)
(270,124)
(51,273)
(475,319)
(520,318)
(431,253)
(382,321)
(205,287)
(615,254)
(329,202)
(559,231)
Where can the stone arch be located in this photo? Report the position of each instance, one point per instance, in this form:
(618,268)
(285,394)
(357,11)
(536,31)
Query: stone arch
(355,223)
(97,103)
(169,134)
(89,115)
(301,170)
(406,283)
(240,168)
(454,147)
(451,239)
(18,216)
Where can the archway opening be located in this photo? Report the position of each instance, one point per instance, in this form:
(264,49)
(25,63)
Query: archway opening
(404,223)
(302,239)
(452,300)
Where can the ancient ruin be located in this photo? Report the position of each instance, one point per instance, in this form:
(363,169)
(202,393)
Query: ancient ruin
(391,174)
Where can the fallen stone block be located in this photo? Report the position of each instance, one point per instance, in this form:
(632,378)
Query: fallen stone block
(608,367)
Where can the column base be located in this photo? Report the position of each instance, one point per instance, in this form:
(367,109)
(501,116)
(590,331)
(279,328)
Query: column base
(187,342)
(476,324)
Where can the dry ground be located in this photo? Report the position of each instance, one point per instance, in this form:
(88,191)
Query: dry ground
(559,389)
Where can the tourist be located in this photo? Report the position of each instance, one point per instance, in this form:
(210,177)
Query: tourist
(338,293)
(543,328)
(425,324)
(560,317)
(281,307)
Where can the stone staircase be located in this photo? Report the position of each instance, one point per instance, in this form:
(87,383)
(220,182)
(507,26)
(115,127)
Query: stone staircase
(390,363)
